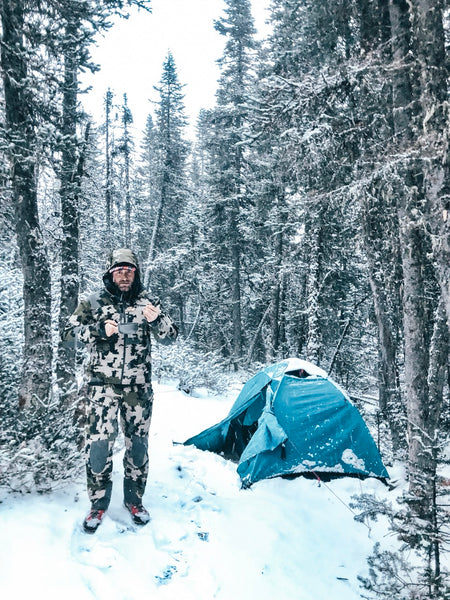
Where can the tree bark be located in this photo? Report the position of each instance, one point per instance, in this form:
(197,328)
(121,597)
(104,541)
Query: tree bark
(427,95)
(418,121)
(278,276)
(108,160)
(236,286)
(416,345)
(20,115)
(431,54)
(70,175)
(407,189)
(126,120)
(375,217)
(313,260)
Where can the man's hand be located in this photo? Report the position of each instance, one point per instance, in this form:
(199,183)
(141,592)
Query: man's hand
(151,312)
(111,327)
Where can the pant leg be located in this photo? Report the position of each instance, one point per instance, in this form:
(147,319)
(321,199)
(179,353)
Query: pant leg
(136,414)
(101,432)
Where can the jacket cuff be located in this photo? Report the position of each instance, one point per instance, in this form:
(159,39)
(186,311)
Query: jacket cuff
(100,330)
(156,322)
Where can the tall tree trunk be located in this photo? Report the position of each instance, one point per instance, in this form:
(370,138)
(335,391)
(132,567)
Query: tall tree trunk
(313,260)
(275,305)
(235,242)
(277,288)
(127,118)
(410,192)
(425,358)
(108,159)
(69,191)
(406,191)
(20,118)
(416,343)
(374,211)
(236,286)
(151,250)
(435,139)
(162,204)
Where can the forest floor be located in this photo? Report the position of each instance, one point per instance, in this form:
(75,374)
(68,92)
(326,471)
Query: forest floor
(208,538)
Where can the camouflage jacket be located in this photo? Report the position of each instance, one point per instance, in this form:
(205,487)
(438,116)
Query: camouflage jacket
(122,358)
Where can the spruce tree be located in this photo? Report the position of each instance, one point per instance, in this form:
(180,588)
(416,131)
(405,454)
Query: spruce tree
(126,148)
(226,170)
(162,268)
(146,180)
(23,115)
(299,122)
(108,103)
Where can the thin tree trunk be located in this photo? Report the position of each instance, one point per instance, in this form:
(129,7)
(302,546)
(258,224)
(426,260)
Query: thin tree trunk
(390,402)
(151,250)
(236,288)
(108,184)
(277,289)
(257,332)
(313,259)
(275,317)
(343,334)
(127,158)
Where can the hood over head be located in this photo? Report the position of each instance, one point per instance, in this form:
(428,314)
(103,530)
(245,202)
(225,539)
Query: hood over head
(123,256)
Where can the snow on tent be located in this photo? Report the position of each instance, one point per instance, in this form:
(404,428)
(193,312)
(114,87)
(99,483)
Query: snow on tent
(291,418)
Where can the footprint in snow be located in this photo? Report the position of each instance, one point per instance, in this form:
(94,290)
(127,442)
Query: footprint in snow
(166,575)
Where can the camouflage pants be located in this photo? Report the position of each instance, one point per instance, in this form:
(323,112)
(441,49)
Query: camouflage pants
(106,404)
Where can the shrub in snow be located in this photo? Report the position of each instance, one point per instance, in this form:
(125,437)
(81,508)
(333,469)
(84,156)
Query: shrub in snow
(191,367)
(39,448)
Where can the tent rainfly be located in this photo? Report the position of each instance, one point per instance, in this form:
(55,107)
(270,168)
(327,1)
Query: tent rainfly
(291,418)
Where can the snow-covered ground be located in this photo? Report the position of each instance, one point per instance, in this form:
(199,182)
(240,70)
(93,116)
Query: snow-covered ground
(208,538)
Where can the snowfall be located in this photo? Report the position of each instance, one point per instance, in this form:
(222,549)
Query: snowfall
(208,538)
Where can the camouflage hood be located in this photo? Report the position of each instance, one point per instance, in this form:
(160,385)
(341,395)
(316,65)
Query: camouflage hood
(123,256)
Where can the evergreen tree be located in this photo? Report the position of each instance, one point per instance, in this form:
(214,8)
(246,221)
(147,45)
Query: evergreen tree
(162,270)
(300,117)
(78,23)
(226,171)
(108,166)
(126,147)
(119,147)
(146,179)
(425,331)
(24,142)
(45,45)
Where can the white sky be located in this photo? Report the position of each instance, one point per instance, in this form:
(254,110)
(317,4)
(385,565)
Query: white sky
(132,52)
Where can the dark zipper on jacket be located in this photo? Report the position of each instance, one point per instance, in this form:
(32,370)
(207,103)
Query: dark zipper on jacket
(124,338)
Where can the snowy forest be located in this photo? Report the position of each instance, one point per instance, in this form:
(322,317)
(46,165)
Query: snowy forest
(309,218)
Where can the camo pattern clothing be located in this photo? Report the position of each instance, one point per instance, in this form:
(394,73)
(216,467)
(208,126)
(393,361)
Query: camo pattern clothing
(122,359)
(118,388)
(133,404)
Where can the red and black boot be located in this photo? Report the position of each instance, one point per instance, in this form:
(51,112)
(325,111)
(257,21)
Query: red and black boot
(93,520)
(138,512)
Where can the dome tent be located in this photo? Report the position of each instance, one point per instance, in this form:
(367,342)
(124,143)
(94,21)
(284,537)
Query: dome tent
(291,418)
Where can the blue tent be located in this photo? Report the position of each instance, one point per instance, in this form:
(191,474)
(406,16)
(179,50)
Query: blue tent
(291,418)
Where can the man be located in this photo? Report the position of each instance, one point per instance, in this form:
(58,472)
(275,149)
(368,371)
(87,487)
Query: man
(116,324)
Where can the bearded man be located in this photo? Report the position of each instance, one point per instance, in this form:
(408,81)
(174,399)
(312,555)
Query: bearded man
(117,325)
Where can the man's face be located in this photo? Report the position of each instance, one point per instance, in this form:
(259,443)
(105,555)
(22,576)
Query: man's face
(123,277)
